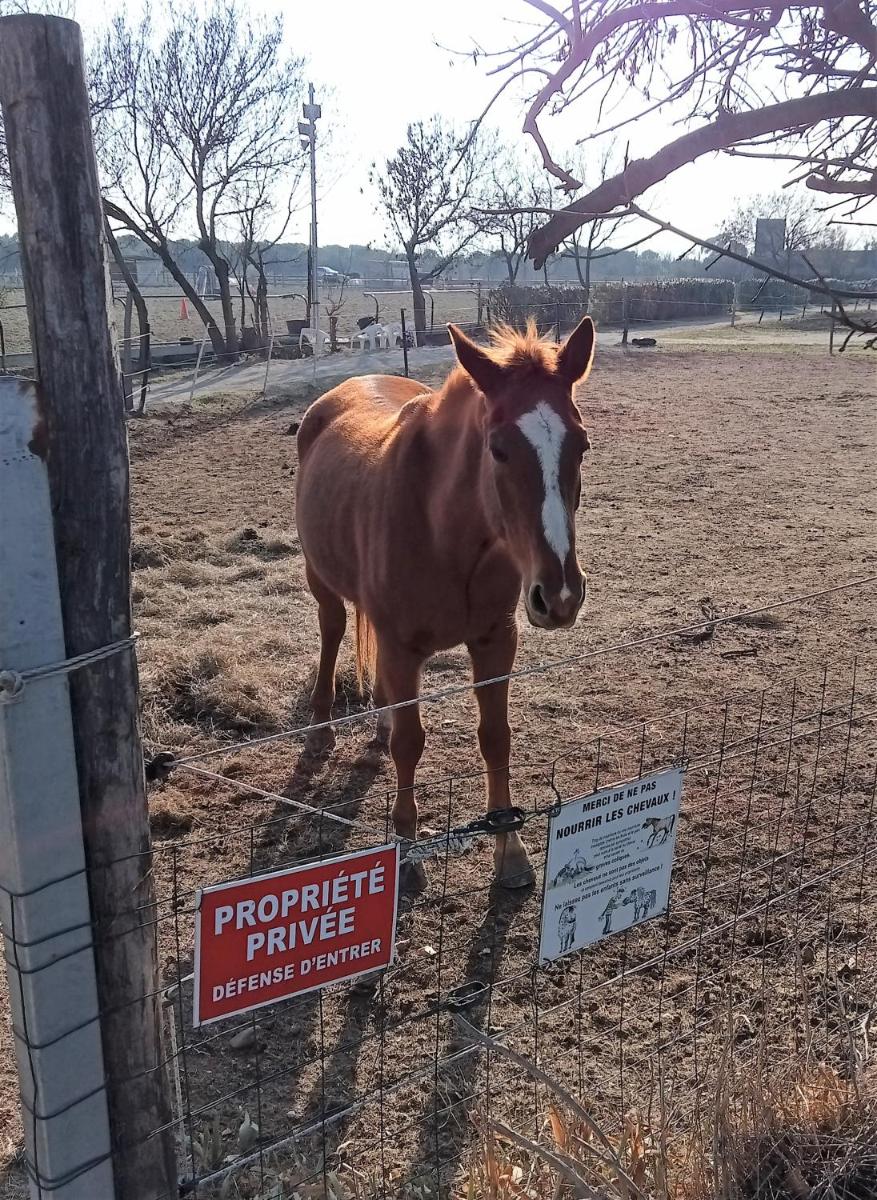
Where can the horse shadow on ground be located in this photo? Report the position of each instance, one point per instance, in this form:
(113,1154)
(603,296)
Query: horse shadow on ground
(296,1044)
(446,1129)
(311,1050)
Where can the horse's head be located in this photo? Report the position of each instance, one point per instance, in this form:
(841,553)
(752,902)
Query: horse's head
(534,441)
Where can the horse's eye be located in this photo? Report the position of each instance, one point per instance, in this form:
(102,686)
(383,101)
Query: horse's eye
(498,453)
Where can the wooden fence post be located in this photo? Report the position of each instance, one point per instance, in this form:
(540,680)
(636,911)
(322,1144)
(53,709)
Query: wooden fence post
(83,439)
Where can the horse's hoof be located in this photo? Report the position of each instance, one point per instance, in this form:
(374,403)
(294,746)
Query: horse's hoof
(511,863)
(516,876)
(412,877)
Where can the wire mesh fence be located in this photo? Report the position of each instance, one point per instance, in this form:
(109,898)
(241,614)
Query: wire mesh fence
(661,1061)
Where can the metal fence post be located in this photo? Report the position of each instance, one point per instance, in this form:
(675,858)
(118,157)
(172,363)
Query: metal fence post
(624,314)
(734,306)
(404,343)
(51,973)
(833,318)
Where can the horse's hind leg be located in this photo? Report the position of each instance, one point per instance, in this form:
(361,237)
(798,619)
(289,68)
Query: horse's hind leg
(385,719)
(398,673)
(333,621)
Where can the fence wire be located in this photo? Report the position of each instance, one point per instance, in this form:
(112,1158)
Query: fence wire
(759,985)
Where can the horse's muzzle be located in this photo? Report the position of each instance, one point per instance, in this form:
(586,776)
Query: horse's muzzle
(558,610)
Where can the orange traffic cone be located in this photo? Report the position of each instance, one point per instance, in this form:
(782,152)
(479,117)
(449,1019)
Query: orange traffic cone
(184,310)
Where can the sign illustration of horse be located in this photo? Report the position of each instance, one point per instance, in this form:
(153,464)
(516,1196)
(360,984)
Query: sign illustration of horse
(661,828)
(430,511)
(643,902)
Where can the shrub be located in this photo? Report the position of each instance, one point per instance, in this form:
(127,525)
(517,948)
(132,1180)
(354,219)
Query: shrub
(647,300)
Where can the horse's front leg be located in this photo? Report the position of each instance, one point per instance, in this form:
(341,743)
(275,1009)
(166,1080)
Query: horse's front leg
(491,657)
(398,672)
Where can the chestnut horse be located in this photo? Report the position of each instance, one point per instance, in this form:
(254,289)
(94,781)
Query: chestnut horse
(429,511)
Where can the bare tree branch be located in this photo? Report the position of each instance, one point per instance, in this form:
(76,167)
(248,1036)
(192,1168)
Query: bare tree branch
(728,128)
(795,79)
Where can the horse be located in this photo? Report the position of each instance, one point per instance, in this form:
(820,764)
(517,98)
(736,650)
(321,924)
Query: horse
(660,827)
(643,902)
(429,512)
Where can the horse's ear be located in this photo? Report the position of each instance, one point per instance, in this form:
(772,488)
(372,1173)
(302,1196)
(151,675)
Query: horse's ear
(577,352)
(485,372)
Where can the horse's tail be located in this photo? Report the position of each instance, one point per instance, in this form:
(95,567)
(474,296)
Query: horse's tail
(366,650)
(672,823)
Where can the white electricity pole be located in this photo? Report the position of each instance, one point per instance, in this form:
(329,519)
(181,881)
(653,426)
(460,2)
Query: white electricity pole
(308,130)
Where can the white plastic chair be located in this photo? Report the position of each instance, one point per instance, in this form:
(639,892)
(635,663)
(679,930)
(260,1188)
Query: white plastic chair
(309,335)
(394,335)
(373,337)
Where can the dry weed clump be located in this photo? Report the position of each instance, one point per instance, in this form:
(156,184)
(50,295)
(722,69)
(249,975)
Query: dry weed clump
(811,1136)
(761,1133)
(259,545)
(215,691)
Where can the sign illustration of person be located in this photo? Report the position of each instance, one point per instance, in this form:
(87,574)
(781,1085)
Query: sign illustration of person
(612,903)
(566,928)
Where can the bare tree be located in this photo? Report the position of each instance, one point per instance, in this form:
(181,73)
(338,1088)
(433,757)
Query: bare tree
(204,124)
(257,212)
(513,188)
(427,189)
(820,55)
(794,81)
(586,246)
(333,307)
(804,223)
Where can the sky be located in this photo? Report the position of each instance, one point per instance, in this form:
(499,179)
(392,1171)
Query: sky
(379,66)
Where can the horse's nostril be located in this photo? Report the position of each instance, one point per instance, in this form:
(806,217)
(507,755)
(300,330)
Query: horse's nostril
(537,600)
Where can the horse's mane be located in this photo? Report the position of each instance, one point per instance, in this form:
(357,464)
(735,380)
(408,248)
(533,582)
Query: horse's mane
(526,352)
(512,348)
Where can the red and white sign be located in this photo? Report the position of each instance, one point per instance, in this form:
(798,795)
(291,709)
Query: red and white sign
(266,938)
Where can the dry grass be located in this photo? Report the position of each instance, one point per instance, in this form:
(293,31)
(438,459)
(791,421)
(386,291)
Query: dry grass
(681,440)
(782,1133)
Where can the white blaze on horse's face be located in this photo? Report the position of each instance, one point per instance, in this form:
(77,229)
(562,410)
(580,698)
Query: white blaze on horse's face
(545,431)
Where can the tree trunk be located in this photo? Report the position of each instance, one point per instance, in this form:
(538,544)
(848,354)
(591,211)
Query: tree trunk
(586,282)
(223,279)
(159,246)
(577,259)
(144,357)
(243,291)
(125,356)
(419,298)
(264,316)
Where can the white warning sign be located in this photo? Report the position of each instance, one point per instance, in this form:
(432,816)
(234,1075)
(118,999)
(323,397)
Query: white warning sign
(608,862)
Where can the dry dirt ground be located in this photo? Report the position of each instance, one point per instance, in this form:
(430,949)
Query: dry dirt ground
(717,482)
